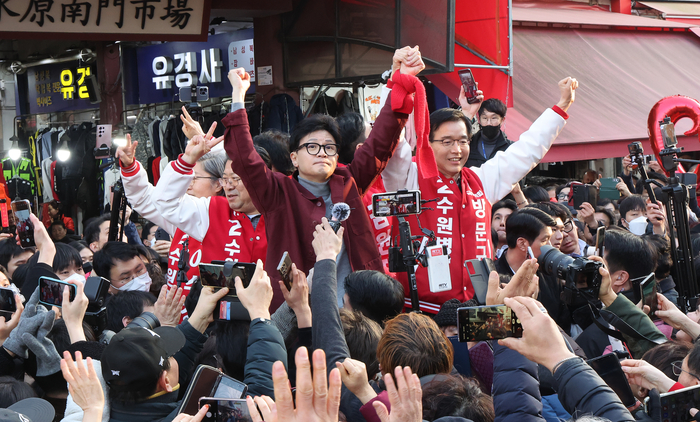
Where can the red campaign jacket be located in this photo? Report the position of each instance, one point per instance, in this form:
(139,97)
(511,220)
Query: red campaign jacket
(291,212)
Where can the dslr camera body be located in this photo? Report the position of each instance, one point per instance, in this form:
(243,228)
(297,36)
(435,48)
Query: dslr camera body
(581,276)
(96,289)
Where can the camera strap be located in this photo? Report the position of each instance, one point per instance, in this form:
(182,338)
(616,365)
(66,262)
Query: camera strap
(622,329)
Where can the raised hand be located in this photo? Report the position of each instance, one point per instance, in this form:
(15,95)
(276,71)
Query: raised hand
(256,298)
(413,63)
(298,297)
(240,82)
(125,154)
(168,307)
(84,385)
(327,243)
(190,127)
(73,312)
(405,398)
(200,145)
(524,283)
(646,375)
(354,375)
(470,110)
(567,89)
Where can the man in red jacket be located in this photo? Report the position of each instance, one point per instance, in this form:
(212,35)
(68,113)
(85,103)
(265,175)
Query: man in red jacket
(292,207)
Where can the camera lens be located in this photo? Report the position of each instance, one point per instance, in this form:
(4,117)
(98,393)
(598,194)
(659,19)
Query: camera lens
(553,262)
(145,320)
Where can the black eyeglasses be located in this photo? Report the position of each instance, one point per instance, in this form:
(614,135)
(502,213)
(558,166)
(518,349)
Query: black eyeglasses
(678,369)
(313,148)
(568,226)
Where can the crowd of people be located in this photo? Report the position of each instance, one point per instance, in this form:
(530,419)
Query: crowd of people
(336,339)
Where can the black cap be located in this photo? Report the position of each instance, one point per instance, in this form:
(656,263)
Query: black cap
(448,313)
(135,355)
(28,410)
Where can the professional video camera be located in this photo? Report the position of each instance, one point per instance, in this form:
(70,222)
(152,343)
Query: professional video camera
(581,276)
(146,320)
(96,289)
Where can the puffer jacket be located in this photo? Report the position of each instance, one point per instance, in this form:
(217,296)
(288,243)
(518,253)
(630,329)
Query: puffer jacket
(265,347)
(516,388)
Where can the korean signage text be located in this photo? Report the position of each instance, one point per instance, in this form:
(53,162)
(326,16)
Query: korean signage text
(104,16)
(53,88)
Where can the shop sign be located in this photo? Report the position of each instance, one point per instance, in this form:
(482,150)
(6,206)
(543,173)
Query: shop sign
(107,19)
(165,68)
(58,87)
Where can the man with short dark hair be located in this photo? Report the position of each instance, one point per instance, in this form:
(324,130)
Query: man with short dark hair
(376,295)
(490,138)
(121,264)
(500,211)
(461,216)
(528,228)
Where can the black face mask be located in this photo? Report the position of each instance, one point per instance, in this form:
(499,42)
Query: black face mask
(87,267)
(491,132)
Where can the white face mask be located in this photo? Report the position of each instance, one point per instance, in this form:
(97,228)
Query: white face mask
(141,283)
(638,226)
(75,277)
(153,242)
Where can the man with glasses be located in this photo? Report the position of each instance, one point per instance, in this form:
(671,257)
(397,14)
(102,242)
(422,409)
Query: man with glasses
(121,264)
(461,216)
(490,139)
(294,206)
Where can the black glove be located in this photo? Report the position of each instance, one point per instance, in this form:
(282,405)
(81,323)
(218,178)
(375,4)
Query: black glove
(653,408)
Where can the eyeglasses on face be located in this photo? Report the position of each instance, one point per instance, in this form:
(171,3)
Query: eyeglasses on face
(314,148)
(678,369)
(233,181)
(449,142)
(568,226)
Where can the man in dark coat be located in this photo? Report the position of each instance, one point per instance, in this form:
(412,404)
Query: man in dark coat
(490,139)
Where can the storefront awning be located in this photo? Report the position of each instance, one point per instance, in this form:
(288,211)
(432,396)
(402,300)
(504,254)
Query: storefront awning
(675,9)
(622,74)
(595,18)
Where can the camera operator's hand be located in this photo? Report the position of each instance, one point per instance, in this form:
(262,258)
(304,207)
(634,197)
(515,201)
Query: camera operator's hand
(471,110)
(524,283)
(657,217)
(567,88)
(627,165)
(240,82)
(200,145)
(73,312)
(126,153)
(354,375)
(204,311)
(646,375)
(405,397)
(6,327)
(162,247)
(606,294)
(655,167)
(317,399)
(83,385)
(673,316)
(623,188)
(541,342)
(586,213)
(327,243)
(258,295)
(190,127)
(44,245)
(298,297)
(168,307)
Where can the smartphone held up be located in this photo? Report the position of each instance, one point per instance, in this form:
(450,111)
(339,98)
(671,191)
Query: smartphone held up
(469,84)
(25,229)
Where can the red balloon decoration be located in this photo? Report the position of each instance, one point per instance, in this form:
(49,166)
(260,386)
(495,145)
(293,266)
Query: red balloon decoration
(676,107)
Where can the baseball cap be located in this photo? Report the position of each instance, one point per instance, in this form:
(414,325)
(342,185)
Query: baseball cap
(138,354)
(28,410)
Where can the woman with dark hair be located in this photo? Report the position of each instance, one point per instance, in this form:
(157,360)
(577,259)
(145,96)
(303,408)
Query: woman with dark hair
(55,213)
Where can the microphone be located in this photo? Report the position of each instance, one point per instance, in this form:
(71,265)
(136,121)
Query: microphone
(339,213)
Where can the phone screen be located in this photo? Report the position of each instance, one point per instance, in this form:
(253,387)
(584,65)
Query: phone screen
(8,306)
(202,385)
(25,229)
(600,241)
(230,388)
(285,270)
(469,84)
(225,410)
(676,405)
(396,204)
(215,275)
(609,369)
(51,291)
(480,323)
(3,215)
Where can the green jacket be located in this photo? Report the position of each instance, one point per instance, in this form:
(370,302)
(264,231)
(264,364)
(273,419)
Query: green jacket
(637,319)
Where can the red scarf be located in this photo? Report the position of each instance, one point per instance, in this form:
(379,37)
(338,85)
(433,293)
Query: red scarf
(460,219)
